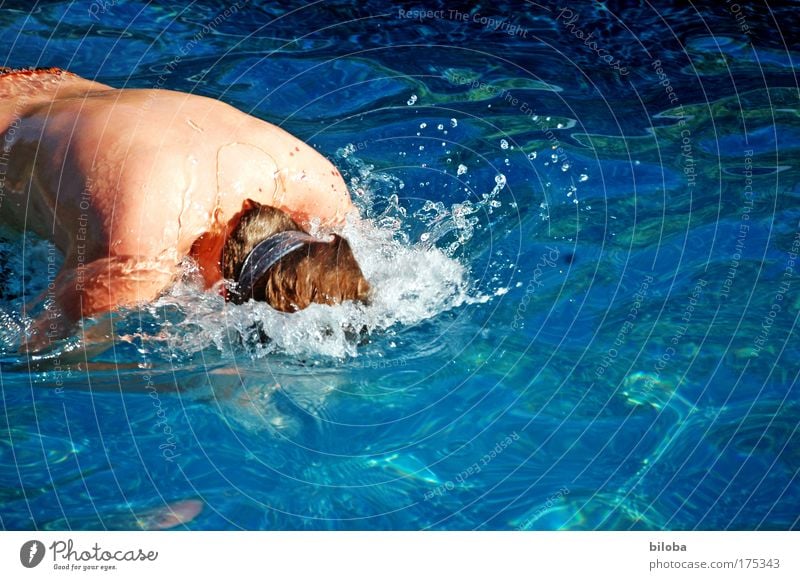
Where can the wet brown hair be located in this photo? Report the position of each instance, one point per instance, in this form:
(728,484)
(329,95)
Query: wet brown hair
(324,272)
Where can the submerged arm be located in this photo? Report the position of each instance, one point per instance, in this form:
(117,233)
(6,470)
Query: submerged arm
(100,286)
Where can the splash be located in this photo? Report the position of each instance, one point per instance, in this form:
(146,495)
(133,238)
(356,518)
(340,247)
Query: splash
(409,284)
(411,259)
(27,265)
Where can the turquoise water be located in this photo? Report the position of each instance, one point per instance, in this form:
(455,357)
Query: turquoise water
(587,288)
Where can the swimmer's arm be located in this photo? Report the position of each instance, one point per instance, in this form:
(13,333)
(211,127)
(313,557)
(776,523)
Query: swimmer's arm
(98,287)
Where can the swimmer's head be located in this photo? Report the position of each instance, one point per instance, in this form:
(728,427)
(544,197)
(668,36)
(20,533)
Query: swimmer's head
(270,259)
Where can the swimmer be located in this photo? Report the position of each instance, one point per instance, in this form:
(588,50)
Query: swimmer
(128,182)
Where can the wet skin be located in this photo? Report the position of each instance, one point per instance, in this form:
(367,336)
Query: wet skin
(128,182)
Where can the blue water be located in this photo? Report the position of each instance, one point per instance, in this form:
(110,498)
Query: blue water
(587,291)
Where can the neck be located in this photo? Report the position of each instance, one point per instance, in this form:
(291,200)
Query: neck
(207,252)
(207,249)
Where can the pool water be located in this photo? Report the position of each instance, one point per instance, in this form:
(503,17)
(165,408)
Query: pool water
(581,224)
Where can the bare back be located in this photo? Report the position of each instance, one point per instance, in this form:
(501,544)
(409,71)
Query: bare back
(125,181)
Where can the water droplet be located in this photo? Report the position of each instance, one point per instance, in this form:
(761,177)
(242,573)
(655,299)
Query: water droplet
(462,169)
(503,144)
(453,123)
(532,155)
(440,126)
(583,177)
(564,166)
(412,99)
(423,125)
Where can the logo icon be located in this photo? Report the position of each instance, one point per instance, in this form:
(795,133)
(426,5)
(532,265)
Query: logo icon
(31,553)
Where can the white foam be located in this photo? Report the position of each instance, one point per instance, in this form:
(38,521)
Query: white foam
(412,280)
(409,284)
